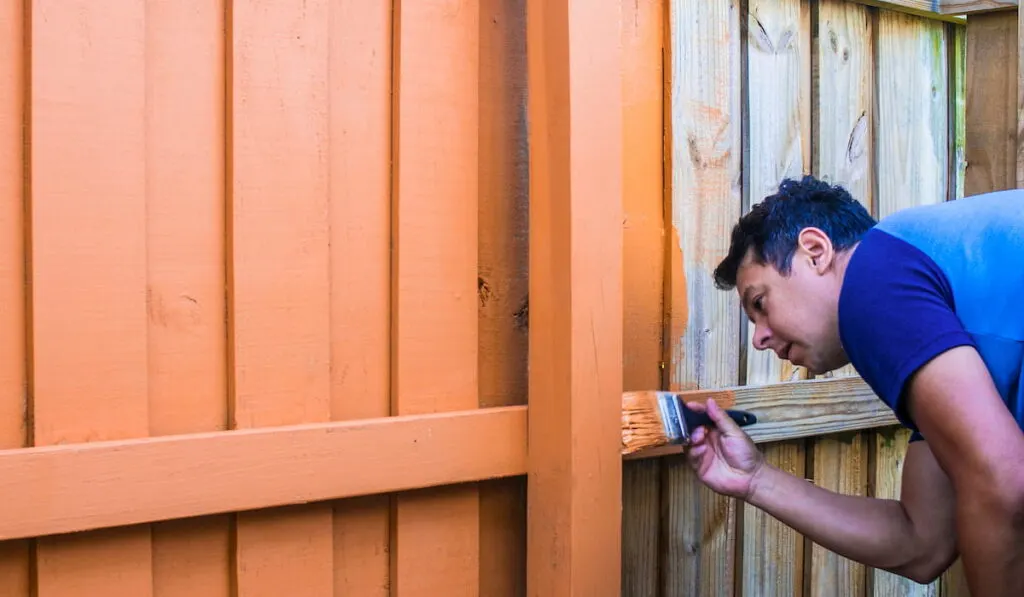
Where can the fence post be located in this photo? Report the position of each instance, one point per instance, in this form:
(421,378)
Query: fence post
(575,319)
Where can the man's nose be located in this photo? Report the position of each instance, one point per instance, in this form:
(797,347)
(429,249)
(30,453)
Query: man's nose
(762,335)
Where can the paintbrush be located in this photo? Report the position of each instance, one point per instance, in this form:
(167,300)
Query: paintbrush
(657,418)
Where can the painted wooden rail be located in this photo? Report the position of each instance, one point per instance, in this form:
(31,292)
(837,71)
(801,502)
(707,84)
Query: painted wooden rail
(75,487)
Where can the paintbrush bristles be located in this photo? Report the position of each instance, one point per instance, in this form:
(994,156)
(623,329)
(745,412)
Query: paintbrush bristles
(642,427)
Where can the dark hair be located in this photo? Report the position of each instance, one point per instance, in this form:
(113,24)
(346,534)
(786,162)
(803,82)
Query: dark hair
(772,226)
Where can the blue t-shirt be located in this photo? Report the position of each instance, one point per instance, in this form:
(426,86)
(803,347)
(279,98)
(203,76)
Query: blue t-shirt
(930,278)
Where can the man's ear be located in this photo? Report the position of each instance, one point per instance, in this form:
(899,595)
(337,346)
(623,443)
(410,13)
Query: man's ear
(814,246)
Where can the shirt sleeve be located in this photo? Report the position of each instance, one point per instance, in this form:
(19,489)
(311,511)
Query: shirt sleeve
(896,313)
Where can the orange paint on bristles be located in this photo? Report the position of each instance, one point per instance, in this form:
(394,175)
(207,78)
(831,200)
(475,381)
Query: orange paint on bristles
(642,427)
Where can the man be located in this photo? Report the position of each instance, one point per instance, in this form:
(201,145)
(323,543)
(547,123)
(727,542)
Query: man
(928,306)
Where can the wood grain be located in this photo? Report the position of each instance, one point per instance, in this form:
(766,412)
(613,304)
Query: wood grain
(575,112)
(912,74)
(796,409)
(14,398)
(890,451)
(991,103)
(928,9)
(840,465)
(778,146)
(844,116)
(359,149)
(279,278)
(435,341)
(698,556)
(88,241)
(973,8)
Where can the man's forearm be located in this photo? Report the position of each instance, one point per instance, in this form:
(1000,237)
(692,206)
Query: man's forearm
(991,532)
(875,532)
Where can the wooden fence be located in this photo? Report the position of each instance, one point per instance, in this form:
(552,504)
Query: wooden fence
(351,288)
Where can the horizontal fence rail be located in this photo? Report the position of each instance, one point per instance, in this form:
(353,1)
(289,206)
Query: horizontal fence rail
(86,486)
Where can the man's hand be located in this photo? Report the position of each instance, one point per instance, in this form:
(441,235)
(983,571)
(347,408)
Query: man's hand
(913,536)
(725,458)
(954,402)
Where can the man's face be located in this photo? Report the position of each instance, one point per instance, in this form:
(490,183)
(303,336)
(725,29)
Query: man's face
(796,315)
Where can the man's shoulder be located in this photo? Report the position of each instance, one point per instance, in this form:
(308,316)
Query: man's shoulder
(985,224)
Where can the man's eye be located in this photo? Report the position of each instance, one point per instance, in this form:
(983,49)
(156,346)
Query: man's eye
(758,303)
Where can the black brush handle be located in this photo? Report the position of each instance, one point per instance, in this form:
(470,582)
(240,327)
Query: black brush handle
(695,419)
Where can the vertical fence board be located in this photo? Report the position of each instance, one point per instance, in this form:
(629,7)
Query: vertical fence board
(890,450)
(991,133)
(699,526)
(185,292)
(88,259)
(841,465)
(778,119)
(778,53)
(576,290)
(958,106)
(14,555)
(643,34)
(360,221)
(844,87)
(843,117)
(436,546)
(912,71)
(503,245)
(279,283)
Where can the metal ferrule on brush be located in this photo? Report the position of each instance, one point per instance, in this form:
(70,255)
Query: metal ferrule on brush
(672,418)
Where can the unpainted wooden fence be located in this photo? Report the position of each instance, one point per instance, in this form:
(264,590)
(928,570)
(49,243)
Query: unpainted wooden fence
(339,297)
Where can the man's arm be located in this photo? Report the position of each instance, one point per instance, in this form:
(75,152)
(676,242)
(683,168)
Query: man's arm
(956,406)
(913,536)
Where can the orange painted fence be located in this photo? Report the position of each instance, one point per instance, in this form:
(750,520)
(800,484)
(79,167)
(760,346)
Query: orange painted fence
(339,297)
(265,299)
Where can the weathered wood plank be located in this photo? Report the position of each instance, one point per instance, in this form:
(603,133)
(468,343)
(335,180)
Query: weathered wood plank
(991,103)
(843,112)
(912,137)
(929,9)
(643,36)
(435,339)
(797,409)
(360,244)
(779,146)
(503,277)
(958,112)
(88,241)
(841,466)
(843,119)
(890,450)
(576,298)
(698,557)
(973,8)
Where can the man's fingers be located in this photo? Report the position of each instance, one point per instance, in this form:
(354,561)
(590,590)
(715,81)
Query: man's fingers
(722,420)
